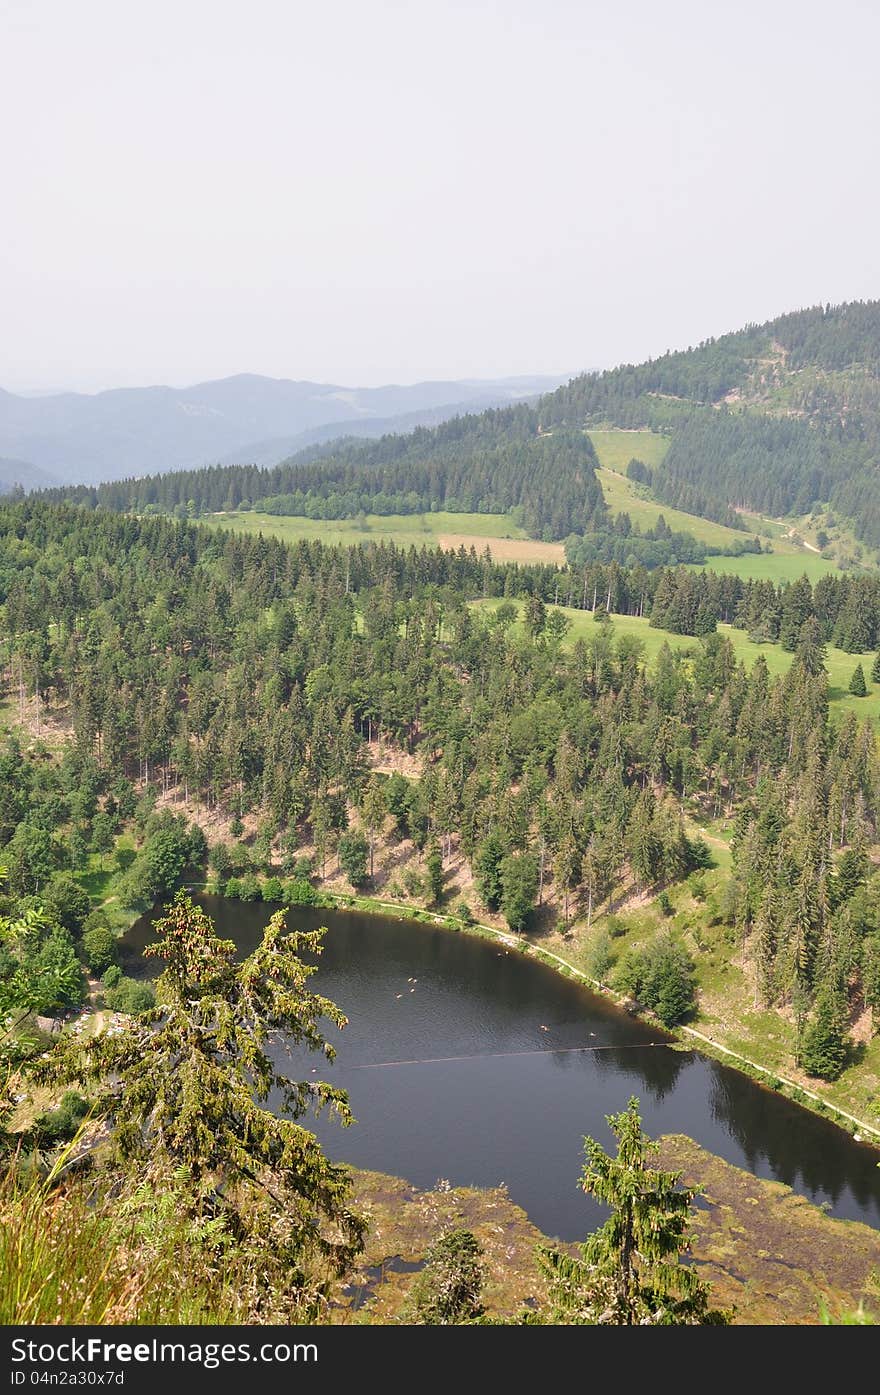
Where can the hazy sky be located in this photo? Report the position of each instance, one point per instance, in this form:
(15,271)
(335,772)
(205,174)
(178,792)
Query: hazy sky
(365,191)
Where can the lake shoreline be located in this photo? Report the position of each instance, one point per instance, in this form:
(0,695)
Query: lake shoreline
(689,1037)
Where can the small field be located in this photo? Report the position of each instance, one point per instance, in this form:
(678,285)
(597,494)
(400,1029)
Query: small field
(616,448)
(784,563)
(498,532)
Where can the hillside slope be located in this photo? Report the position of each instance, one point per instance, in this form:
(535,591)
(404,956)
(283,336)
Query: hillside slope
(771,418)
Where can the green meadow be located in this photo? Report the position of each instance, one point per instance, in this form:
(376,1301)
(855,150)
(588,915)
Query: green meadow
(622,496)
(405,528)
(616,448)
(776,566)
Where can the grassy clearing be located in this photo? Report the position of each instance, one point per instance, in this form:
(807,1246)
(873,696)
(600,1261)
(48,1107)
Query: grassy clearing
(407,529)
(505,540)
(825,530)
(100,878)
(787,562)
(776,566)
(616,448)
(623,496)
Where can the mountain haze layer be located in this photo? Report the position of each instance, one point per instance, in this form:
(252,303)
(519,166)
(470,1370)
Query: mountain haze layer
(74,438)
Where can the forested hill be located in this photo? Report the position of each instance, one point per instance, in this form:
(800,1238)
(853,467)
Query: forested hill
(488,463)
(770,418)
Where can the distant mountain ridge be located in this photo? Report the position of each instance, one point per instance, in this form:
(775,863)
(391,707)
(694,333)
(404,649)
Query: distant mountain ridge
(280,448)
(24,475)
(75,438)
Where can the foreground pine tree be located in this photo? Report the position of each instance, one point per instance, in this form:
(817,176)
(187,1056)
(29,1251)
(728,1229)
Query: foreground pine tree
(181,1094)
(630,1271)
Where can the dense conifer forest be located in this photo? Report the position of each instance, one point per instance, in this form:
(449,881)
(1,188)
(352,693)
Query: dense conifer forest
(247,676)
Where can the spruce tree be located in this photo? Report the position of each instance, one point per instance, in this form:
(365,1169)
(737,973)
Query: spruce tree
(375,810)
(765,948)
(448,1289)
(630,1271)
(824,1043)
(353,853)
(519,888)
(875,670)
(487,869)
(857,684)
(566,865)
(434,869)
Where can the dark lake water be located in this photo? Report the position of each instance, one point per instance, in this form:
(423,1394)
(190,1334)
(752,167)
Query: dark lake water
(414,993)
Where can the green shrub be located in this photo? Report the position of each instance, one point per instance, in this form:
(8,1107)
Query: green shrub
(130,996)
(353,854)
(661,976)
(697,885)
(67,902)
(298,892)
(414,882)
(62,1122)
(600,956)
(249,888)
(273,889)
(99,948)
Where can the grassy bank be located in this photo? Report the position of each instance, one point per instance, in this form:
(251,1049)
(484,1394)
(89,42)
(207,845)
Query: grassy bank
(746,1230)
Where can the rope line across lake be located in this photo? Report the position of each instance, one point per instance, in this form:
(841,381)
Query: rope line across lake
(489,1055)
